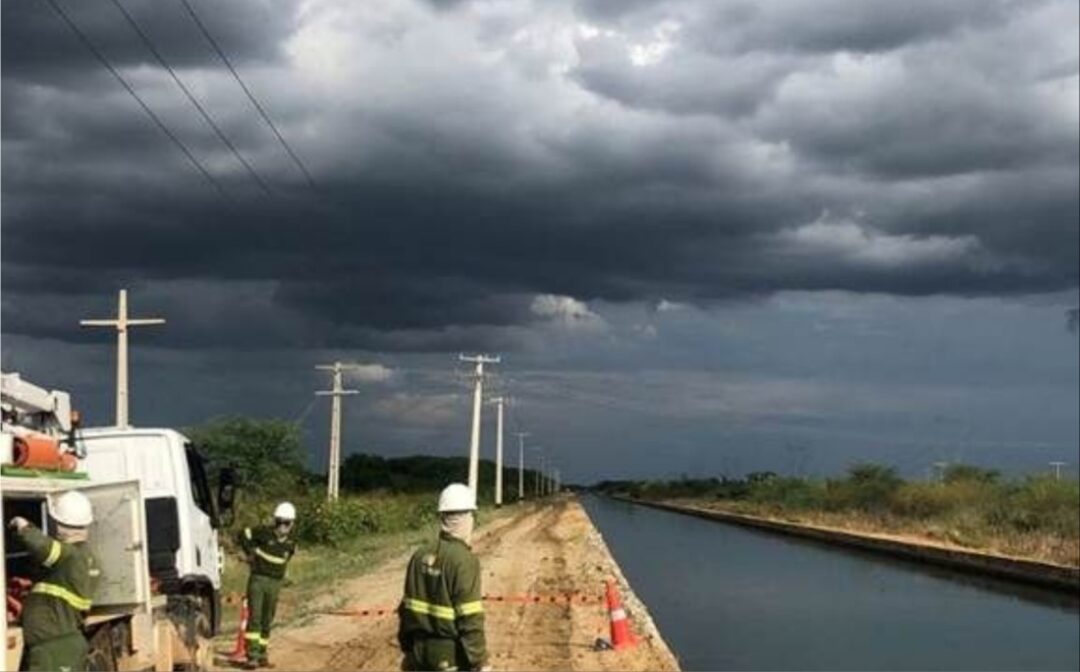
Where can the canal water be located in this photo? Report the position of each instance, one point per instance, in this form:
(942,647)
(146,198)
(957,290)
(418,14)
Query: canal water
(729,598)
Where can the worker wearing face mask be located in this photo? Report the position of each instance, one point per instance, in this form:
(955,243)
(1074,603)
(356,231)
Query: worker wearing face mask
(268,549)
(441,614)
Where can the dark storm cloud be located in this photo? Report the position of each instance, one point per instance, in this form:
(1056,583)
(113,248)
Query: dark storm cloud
(38,46)
(469,160)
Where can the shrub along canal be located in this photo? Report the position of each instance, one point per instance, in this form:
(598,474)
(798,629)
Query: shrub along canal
(730,598)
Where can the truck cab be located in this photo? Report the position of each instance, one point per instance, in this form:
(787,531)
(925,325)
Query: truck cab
(182,514)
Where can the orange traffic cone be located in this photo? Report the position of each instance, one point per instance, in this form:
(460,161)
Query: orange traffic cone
(239,652)
(621,637)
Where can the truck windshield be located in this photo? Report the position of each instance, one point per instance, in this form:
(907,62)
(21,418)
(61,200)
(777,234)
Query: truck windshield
(200,486)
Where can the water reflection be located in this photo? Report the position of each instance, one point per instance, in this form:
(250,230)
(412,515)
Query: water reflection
(727,597)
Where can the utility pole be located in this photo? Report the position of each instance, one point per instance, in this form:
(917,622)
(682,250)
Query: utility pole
(122,322)
(539,472)
(521,464)
(557,479)
(333,463)
(498,401)
(478,393)
(941,467)
(1057,469)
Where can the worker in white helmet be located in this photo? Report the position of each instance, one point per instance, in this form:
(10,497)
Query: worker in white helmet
(53,612)
(441,624)
(268,549)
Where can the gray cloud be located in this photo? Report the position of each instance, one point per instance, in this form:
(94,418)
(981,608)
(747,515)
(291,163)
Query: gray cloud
(38,47)
(472,157)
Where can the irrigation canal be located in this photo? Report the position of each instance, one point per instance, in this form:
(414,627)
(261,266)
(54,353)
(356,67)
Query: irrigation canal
(730,598)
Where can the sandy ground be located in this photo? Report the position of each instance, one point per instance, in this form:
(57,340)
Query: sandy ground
(539,551)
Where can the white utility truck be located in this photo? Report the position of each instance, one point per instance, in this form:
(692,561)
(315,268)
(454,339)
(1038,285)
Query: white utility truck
(155,531)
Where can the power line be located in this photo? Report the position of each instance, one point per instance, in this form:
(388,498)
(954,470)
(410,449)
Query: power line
(146,108)
(247,92)
(202,111)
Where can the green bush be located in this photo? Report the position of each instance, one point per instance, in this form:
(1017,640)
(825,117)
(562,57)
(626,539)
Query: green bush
(1046,504)
(928,500)
(324,523)
(788,493)
(966,473)
(868,487)
(266,454)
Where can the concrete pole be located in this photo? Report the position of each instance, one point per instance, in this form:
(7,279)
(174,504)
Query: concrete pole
(498,401)
(121,323)
(474,441)
(521,464)
(1057,469)
(478,394)
(334,472)
(333,462)
(941,467)
(122,408)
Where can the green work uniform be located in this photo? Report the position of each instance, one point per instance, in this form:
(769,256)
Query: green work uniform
(441,617)
(52,617)
(269,556)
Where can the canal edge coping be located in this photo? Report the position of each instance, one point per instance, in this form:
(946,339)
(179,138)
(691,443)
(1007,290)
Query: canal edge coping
(637,607)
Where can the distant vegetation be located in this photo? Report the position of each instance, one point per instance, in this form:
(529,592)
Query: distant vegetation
(1035,516)
(379,495)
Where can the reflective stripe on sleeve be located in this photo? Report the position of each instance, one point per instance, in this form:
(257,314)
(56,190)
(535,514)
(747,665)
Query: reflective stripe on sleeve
(421,607)
(78,602)
(270,558)
(470,608)
(54,554)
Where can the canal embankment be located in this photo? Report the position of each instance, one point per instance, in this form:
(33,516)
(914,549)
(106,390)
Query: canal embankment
(1043,574)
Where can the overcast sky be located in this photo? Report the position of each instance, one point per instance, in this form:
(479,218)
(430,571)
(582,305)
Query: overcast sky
(705,236)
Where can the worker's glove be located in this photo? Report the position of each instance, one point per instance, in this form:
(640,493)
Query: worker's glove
(18,523)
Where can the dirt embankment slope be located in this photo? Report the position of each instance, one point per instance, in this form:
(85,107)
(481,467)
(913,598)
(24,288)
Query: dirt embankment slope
(541,550)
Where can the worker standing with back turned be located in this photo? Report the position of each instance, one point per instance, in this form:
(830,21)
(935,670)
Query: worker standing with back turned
(268,549)
(53,612)
(441,614)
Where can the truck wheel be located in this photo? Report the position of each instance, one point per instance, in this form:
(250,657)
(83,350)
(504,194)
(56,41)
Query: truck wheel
(99,657)
(192,621)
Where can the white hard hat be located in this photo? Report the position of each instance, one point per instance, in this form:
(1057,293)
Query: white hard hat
(72,509)
(457,497)
(285,511)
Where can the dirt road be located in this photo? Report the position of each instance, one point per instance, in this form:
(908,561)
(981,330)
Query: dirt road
(541,550)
